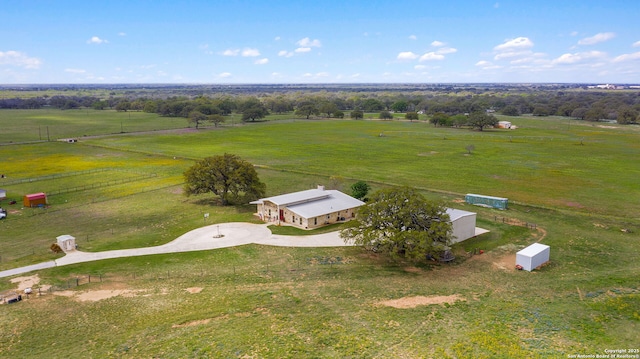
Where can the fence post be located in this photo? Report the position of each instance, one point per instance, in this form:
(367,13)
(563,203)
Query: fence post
(77,281)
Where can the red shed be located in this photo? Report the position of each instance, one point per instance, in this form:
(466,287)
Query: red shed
(35,199)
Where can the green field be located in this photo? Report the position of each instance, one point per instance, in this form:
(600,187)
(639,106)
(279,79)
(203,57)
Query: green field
(576,182)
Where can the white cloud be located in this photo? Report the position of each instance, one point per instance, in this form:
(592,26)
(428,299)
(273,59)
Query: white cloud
(277,38)
(97,40)
(306,42)
(597,38)
(248,52)
(122,34)
(407,55)
(224,75)
(316,75)
(567,59)
(261,61)
(438,54)
(354,76)
(231,52)
(413,37)
(446,50)
(486,65)
(302,49)
(17,58)
(429,56)
(75,71)
(496,5)
(627,57)
(437,43)
(420,67)
(511,54)
(636,44)
(517,43)
(574,33)
(285,53)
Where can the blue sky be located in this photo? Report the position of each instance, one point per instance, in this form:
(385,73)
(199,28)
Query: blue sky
(400,41)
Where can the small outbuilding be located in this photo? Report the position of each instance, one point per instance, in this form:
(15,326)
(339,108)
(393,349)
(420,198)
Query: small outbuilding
(3,194)
(487,201)
(463,224)
(532,257)
(66,242)
(35,200)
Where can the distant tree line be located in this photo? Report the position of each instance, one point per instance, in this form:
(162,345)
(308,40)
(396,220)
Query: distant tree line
(623,106)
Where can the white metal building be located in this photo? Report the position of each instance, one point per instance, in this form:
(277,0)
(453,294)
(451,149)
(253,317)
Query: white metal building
(533,256)
(463,224)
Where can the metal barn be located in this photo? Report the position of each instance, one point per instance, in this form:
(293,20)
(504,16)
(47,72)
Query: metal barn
(533,256)
(35,200)
(463,224)
(486,201)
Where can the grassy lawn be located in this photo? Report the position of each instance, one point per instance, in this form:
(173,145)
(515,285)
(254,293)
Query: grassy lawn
(259,301)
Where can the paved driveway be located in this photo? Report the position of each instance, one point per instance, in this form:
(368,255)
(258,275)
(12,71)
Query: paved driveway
(215,236)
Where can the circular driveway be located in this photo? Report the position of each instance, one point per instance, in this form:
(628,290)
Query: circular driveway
(215,236)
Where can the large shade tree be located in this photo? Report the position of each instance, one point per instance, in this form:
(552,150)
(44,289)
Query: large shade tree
(233,179)
(401,223)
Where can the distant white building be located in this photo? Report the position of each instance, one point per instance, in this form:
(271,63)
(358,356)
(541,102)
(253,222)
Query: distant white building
(504,124)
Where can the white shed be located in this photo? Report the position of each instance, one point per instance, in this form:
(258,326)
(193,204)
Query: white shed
(67,242)
(533,256)
(463,223)
(3,193)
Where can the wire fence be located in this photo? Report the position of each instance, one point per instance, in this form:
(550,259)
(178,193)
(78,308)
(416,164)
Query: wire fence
(101,184)
(56,175)
(515,222)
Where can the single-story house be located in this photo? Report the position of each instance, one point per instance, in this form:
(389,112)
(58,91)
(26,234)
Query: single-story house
(35,200)
(308,209)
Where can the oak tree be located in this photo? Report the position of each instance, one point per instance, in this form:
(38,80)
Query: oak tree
(402,223)
(228,176)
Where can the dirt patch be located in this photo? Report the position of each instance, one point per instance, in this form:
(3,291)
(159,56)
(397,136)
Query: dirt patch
(428,153)
(96,295)
(412,302)
(26,282)
(194,290)
(507,262)
(192,323)
(65,293)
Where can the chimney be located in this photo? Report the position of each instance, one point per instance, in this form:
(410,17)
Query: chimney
(321,187)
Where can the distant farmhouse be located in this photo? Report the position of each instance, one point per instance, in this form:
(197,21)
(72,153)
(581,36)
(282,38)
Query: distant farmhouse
(308,209)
